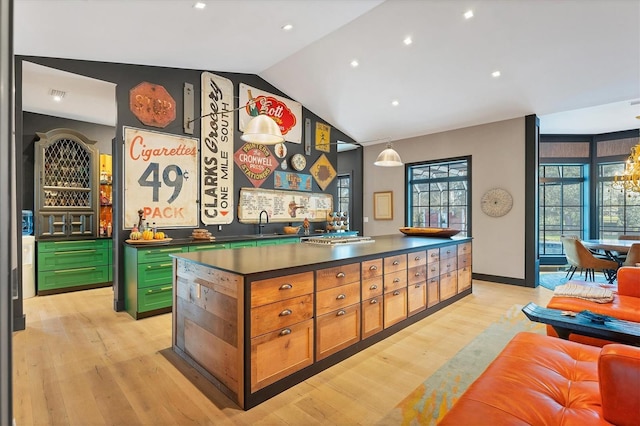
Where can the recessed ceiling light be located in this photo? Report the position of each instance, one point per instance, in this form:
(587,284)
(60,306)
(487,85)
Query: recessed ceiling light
(354,63)
(495,74)
(199,5)
(57,95)
(407,40)
(395,102)
(468,14)
(287,27)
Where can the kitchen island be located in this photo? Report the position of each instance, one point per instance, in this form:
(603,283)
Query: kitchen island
(256,321)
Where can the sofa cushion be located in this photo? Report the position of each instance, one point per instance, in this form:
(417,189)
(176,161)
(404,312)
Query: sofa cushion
(536,380)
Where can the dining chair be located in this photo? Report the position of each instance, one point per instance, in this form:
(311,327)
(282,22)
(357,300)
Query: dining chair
(633,255)
(579,256)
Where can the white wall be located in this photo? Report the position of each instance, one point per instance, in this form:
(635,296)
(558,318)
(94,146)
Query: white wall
(497,153)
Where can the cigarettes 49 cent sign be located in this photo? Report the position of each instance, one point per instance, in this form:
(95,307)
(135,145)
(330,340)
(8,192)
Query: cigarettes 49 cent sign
(161,178)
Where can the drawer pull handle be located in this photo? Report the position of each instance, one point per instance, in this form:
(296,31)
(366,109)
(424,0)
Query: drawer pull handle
(72,242)
(285,312)
(63,253)
(433,269)
(70,271)
(396,280)
(417,258)
(162,265)
(396,293)
(373,268)
(286,287)
(395,262)
(165,250)
(163,289)
(417,274)
(434,255)
(341,296)
(373,287)
(417,285)
(448,251)
(285,332)
(373,301)
(341,312)
(340,275)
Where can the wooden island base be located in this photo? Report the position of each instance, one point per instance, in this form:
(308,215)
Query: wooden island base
(256,321)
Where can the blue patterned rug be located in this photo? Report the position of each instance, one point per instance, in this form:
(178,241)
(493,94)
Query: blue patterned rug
(429,402)
(552,279)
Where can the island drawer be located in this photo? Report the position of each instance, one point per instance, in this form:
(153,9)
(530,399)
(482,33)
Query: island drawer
(464,248)
(337,276)
(448,285)
(337,297)
(417,274)
(395,263)
(395,307)
(281,314)
(416,259)
(372,287)
(371,269)
(371,316)
(448,264)
(448,252)
(337,330)
(433,255)
(280,288)
(395,280)
(280,353)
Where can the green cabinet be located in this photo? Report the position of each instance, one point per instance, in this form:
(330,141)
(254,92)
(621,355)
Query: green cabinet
(148,276)
(148,272)
(73,265)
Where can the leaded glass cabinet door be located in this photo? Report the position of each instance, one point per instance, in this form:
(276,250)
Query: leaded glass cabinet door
(66,185)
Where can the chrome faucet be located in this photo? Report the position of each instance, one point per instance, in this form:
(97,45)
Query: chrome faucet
(260,225)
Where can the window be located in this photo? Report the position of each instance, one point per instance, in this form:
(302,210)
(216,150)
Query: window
(562,206)
(618,210)
(439,194)
(344,194)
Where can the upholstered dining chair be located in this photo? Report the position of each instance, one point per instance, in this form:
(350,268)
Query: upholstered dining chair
(579,256)
(633,255)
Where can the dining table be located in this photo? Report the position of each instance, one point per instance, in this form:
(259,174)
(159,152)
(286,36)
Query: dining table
(610,245)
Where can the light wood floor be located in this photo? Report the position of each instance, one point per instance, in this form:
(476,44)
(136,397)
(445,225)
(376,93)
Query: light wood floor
(80,363)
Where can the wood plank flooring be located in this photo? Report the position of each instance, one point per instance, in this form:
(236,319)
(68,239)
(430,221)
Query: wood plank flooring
(80,363)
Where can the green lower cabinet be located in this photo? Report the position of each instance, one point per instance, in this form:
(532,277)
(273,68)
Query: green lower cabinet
(65,265)
(292,240)
(148,279)
(242,244)
(207,247)
(157,297)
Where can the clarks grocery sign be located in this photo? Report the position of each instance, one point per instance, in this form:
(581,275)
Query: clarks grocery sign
(286,113)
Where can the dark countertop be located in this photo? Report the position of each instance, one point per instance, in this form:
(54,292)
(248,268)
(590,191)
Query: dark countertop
(253,260)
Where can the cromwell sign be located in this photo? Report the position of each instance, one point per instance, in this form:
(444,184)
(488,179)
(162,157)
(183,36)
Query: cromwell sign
(256,162)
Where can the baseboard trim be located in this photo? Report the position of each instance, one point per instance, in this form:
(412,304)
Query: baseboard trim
(502,280)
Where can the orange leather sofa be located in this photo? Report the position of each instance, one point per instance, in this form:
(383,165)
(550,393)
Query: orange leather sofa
(625,305)
(543,380)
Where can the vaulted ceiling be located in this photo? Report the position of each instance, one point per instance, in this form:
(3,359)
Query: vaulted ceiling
(558,59)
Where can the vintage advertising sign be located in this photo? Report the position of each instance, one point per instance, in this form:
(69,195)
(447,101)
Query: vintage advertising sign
(287,113)
(216,151)
(283,206)
(160,177)
(256,162)
(323,137)
(152,104)
(323,172)
(293,181)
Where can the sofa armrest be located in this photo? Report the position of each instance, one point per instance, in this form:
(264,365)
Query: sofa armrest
(619,376)
(629,281)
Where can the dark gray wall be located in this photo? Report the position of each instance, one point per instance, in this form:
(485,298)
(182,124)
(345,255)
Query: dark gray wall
(350,163)
(126,77)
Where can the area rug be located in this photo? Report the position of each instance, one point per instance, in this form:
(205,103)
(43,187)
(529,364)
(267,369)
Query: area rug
(435,396)
(551,280)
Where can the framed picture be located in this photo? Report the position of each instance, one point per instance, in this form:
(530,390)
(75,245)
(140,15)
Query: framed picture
(383,205)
